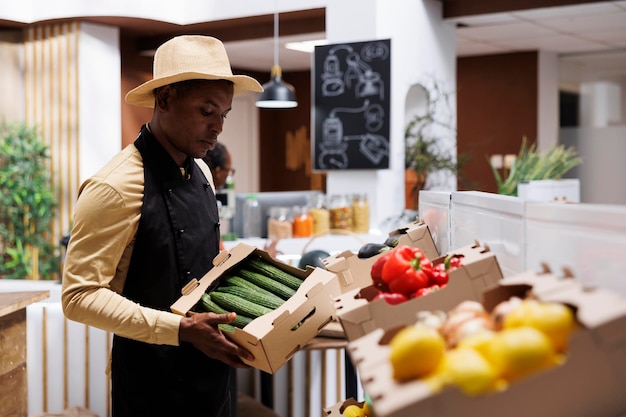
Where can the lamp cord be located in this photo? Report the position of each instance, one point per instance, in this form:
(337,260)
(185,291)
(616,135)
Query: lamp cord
(275,38)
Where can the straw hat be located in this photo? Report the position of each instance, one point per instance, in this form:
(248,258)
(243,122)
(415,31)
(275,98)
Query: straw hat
(189,57)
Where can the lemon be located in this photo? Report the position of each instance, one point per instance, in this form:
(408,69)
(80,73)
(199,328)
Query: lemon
(415,351)
(367,410)
(353,411)
(520,351)
(478,341)
(367,405)
(469,370)
(554,319)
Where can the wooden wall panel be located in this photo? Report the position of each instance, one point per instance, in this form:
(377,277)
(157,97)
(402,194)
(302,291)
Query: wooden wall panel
(285,142)
(455,8)
(497,106)
(51,84)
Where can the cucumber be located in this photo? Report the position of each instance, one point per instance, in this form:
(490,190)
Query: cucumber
(267,283)
(226,327)
(270,301)
(239,305)
(208,305)
(242,282)
(265,268)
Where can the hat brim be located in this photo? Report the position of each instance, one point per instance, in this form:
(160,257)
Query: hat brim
(143,95)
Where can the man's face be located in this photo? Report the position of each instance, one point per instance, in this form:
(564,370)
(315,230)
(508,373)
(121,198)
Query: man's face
(192,118)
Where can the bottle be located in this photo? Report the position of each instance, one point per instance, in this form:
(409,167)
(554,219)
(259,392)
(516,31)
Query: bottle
(251,217)
(340,212)
(279,223)
(360,214)
(321,216)
(302,222)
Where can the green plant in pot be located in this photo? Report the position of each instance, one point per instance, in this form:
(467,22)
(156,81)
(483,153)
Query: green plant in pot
(429,138)
(27,205)
(531,165)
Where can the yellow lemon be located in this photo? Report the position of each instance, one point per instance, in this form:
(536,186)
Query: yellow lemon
(520,351)
(477,341)
(469,370)
(415,351)
(367,410)
(554,319)
(353,411)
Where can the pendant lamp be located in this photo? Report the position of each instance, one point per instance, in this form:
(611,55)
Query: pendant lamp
(277,94)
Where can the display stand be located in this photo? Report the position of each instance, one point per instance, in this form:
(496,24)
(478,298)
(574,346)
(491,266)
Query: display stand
(13,376)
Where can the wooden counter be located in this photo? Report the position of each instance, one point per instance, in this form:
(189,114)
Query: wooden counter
(13,376)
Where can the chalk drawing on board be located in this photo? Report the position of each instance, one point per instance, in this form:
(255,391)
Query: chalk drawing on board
(334,144)
(351,95)
(359,74)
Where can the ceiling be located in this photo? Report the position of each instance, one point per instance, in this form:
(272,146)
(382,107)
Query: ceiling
(589,35)
(592,35)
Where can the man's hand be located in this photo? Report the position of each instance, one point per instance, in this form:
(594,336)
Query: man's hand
(201,331)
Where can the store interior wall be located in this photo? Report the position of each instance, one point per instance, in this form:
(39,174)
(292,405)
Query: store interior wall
(496,107)
(12,106)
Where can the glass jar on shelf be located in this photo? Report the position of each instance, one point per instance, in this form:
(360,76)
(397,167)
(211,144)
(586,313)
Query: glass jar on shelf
(279,223)
(302,222)
(360,213)
(319,212)
(340,212)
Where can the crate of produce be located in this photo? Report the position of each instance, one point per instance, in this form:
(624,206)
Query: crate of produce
(353,269)
(361,311)
(538,345)
(289,305)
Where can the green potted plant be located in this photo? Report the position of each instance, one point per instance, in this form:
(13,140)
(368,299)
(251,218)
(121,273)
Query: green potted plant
(429,138)
(532,165)
(27,205)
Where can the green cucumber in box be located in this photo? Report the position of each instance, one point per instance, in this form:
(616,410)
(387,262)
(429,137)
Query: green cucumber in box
(266,300)
(208,305)
(267,283)
(239,305)
(267,269)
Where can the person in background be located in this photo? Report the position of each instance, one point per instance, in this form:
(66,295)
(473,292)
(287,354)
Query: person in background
(145,225)
(219,161)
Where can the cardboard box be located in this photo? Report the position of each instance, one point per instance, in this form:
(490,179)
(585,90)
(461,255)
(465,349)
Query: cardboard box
(336,409)
(274,337)
(591,382)
(354,272)
(359,315)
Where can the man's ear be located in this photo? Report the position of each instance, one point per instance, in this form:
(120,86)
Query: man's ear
(162,95)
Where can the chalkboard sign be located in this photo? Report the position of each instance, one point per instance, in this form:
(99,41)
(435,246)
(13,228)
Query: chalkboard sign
(351,106)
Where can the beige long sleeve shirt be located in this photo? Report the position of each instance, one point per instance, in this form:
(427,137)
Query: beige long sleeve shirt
(98,255)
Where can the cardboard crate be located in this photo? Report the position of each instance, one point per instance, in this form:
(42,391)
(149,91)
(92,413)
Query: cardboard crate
(590,382)
(354,272)
(272,338)
(359,315)
(336,409)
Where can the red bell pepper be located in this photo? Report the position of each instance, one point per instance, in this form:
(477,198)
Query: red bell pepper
(428,290)
(377,269)
(392,298)
(452,262)
(403,271)
(439,275)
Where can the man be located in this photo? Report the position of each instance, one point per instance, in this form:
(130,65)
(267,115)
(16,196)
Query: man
(144,226)
(219,161)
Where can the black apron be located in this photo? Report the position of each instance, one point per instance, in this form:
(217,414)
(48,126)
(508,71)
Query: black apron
(177,239)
